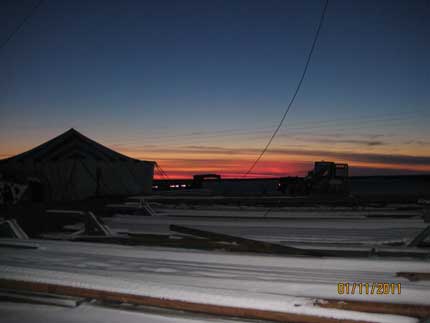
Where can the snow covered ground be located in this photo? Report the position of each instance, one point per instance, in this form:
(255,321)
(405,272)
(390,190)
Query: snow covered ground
(264,282)
(346,227)
(23,313)
(289,284)
(285,211)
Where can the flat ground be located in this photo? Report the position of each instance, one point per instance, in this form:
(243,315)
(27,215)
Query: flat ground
(290,284)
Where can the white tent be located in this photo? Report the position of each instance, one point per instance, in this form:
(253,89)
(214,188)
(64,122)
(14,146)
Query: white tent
(73,167)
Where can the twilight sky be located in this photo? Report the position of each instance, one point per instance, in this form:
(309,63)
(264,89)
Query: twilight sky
(199,86)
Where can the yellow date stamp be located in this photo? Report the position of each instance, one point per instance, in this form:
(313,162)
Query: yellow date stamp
(369,288)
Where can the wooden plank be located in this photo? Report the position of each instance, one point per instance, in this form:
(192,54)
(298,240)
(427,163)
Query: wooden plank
(251,245)
(272,248)
(230,311)
(412,276)
(163,241)
(419,311)
(93,225)
(145,235)
(420,237)
(10,244)
(39,298)
(11,229)
(141,207)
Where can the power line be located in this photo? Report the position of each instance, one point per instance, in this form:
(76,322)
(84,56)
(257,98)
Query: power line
(162,172)
(30,14)
(143,135)
(334,124)
(295,92)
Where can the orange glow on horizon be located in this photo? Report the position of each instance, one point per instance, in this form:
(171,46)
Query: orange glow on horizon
(186,161)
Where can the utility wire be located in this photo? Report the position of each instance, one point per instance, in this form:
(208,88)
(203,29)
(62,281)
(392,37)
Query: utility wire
(30,14)
(261,134)
(386,117)
(295,92)
(162,172)
(159,170)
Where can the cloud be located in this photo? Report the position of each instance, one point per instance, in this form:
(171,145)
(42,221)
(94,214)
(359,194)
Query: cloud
(417,142)
(186,160)
(351,141)
(379,171)
(314,154)
(361,157)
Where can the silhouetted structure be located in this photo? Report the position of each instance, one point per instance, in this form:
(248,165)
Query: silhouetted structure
(325,178)
(73,167)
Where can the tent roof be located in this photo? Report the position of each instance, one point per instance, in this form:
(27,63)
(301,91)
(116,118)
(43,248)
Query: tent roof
(68,145)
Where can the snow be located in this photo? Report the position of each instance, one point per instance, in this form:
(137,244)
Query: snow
(25,313)
(266,282)
(284,212)
(223,297)
(287,284)
(323,230)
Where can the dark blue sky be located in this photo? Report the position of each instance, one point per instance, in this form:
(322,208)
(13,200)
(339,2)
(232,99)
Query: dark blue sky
(122,71)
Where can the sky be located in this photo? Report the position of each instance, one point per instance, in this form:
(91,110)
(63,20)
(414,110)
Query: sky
(199,86)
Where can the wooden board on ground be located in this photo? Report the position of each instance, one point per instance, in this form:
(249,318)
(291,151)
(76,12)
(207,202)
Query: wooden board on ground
(397,309)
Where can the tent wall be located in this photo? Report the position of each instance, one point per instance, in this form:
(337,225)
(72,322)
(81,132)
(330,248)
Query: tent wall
(73,167)
(75,179)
